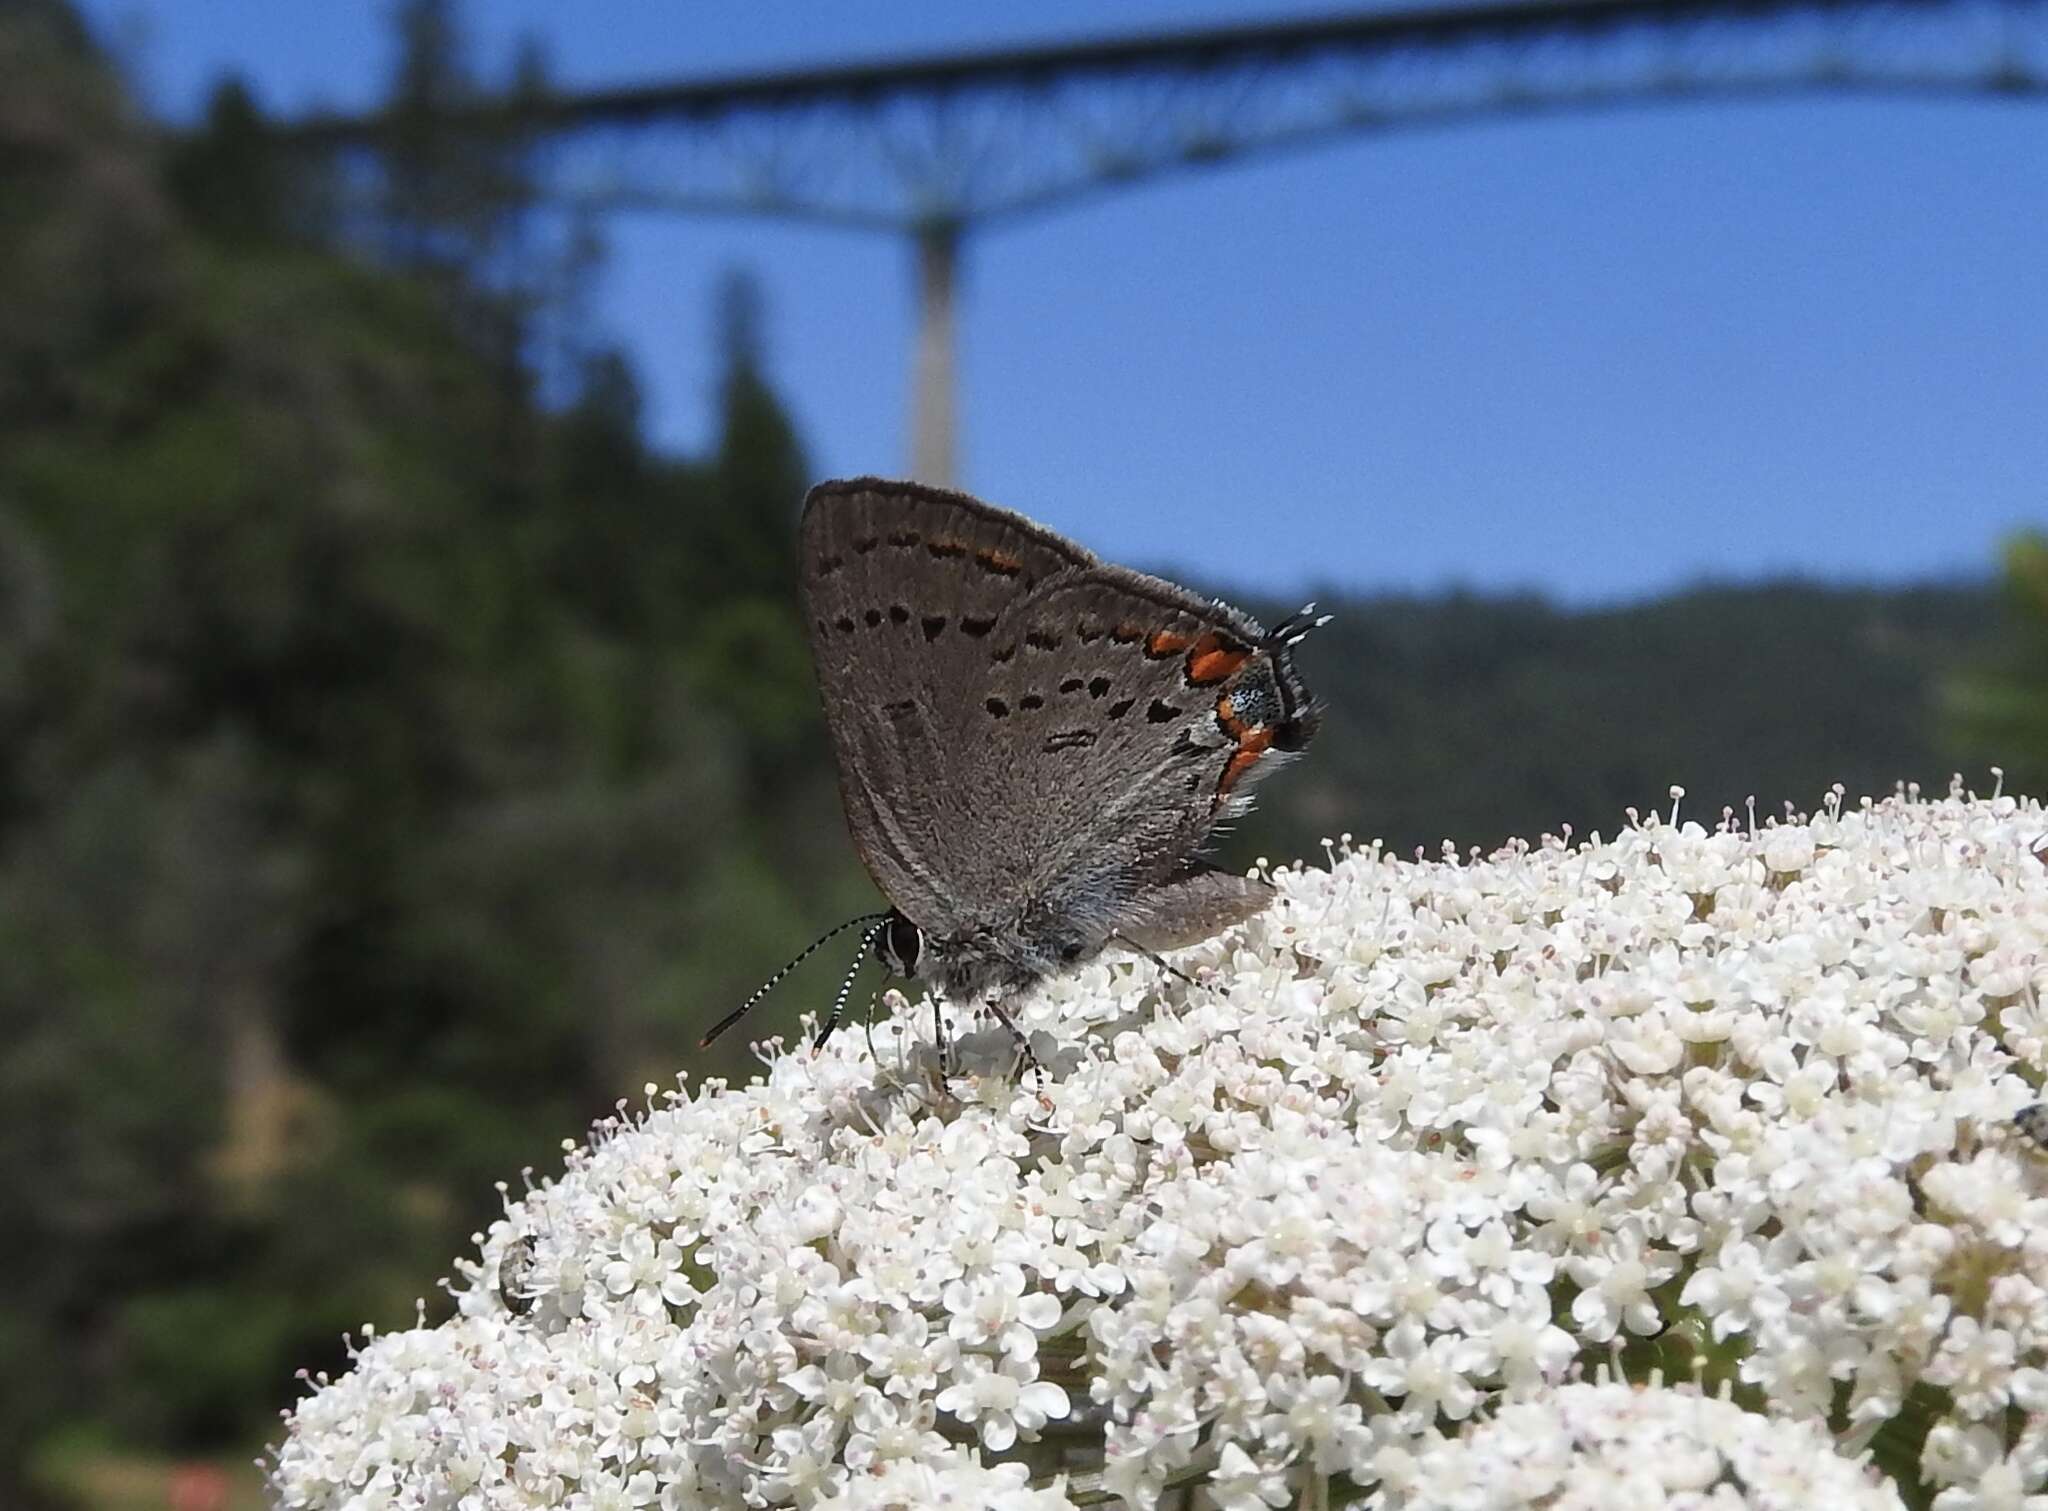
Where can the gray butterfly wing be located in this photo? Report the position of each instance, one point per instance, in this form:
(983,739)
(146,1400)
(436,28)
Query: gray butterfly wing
(903,587)
(1125,718)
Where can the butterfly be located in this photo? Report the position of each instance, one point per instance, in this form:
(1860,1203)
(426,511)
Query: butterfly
(1034,746)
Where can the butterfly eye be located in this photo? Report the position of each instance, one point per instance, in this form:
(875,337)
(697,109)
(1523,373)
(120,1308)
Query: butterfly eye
(901,946)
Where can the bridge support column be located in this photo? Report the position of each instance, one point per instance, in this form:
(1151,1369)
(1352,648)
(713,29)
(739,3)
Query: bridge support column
(935,374)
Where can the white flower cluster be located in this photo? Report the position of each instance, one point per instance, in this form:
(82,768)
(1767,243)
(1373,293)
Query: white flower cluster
(1622,1448)
(1423,1143)
(956,1480)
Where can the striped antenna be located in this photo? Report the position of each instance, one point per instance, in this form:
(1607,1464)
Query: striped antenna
(769,985)
(1295,627)
(867,943)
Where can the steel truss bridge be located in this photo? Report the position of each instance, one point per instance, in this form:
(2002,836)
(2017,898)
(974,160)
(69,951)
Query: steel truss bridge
(933,147)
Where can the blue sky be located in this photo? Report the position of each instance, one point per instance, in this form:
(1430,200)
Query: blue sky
(1600,356)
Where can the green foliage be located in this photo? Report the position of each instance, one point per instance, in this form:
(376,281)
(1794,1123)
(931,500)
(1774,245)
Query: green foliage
(1999,706)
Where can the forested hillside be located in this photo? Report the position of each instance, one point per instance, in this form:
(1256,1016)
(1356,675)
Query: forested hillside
(400,761)
(1474,719)
(395,758)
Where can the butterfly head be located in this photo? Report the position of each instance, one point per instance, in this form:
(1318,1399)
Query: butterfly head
(901,947)
(1299,713)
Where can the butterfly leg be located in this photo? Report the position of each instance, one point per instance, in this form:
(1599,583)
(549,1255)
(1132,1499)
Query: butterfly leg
(1155,957)
(944,1043)
(867,1024)
(1023,1044)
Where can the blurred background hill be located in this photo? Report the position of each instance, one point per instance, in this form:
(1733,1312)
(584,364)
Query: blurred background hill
(402,758)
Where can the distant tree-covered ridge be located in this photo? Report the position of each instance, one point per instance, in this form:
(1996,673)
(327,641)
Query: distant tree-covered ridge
(1473,719)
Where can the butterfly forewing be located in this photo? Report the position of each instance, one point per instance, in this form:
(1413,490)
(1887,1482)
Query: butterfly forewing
(903,587)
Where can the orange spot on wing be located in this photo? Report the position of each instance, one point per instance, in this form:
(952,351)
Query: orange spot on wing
(1163,643)
(1002,563)
(1253,741)
(1250,746)
(1213,659)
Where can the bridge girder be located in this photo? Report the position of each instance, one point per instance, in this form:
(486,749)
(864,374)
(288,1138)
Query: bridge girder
(965,141)
(937,146)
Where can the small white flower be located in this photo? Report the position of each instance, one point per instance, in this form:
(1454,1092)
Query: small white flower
(1788,850)
(1615,1290)
(950,1477)
(1975,1365)
(1738,1290)
(2004,1486)
(1242,1483)
(1325,1423)
(1432,1375)
(907,1358)
(1528,1349)
(1003,1399)
(994,1311)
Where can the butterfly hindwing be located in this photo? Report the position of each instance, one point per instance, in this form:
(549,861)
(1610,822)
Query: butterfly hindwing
(1137,717)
